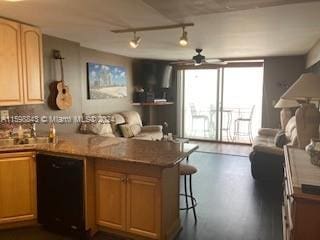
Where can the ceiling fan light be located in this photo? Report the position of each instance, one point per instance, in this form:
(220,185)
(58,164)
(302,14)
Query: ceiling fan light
(184,39)
(135,42)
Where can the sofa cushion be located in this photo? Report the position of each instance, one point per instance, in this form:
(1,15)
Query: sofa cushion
(130,130)
(116,120)
(152,128)
(271,132)
(132,118)
(266,144)
(153,136)
(126,130)
(96,124)
(291,126)
(102,129)
(280,139)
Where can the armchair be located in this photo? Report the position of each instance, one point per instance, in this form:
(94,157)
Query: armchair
(266,158)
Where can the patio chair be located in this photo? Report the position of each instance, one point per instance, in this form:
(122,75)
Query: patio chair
(244,117)
(195,115)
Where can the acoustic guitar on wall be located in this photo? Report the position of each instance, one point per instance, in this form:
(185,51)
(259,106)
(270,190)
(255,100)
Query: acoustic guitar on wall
(64,98)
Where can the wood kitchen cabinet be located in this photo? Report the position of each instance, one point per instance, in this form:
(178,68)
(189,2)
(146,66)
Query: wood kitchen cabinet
(129,203)
(21,72)
(111,199)
(11,79)
(143,206)
(17,187)
(32,64)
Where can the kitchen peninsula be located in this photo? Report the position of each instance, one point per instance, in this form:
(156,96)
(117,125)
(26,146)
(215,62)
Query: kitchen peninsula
(130,187)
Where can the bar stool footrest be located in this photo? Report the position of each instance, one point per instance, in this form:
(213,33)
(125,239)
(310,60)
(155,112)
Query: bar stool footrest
(193,202)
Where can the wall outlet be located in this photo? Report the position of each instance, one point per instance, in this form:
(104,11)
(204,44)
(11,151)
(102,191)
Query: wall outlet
(4,115)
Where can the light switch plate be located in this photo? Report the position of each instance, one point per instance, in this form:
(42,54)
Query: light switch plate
(4,115)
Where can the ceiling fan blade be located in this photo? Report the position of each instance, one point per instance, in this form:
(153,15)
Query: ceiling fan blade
(213,60)
(216,61)
(183,62)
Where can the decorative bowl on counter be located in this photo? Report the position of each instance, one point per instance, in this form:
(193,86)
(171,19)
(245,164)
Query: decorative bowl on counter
(313,149)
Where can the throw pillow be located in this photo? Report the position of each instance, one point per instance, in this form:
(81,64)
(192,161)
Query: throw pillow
(102,129)
(280,139)
(130,130)
(126,131)
(136,129)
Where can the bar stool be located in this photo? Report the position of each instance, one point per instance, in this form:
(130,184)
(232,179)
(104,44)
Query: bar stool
(188,170)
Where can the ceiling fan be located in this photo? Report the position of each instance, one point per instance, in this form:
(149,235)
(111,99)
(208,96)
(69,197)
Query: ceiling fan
(199,59)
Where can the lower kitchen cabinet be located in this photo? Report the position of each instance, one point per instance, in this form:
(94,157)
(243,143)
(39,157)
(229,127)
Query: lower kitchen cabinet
(111,199)
(17,187)
(143,206)
(129,203)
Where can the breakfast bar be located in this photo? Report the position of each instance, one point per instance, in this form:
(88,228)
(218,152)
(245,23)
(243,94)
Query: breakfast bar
(130,187)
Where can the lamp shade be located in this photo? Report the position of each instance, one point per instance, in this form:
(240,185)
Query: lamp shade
(306,88)
(286,103)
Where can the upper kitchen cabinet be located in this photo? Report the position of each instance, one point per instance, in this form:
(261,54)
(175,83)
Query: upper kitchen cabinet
(11,77)
(21,61)
(32,64)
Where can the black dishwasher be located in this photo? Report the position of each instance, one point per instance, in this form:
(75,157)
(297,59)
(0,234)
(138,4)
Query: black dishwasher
(60,185)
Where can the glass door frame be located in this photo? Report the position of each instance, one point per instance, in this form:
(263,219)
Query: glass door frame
(181,97)
(219,95)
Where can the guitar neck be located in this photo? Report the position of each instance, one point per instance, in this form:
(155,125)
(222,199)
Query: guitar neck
(62,72)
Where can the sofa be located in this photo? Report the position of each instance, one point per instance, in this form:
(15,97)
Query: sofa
(123,124)
(266,158)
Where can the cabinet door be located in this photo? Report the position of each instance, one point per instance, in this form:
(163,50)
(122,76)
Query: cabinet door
(32,64)
(17,187)
(11,80)
(111,197)
(143,206)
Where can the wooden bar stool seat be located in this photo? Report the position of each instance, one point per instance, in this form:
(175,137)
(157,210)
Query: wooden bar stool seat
(188,170)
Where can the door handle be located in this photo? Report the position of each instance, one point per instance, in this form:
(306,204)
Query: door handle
(123,179)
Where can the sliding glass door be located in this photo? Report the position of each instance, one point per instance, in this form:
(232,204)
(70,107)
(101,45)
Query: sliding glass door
(200,98)
(222,104)
(241,103)
(200,102)
(242,100)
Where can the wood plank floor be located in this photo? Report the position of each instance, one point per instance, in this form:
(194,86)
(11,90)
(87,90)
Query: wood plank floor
(231,205)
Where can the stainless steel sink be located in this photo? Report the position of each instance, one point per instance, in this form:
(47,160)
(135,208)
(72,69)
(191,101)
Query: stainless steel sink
(38,140)
(25,141)
(6,141)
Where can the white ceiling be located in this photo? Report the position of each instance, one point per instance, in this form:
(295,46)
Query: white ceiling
(289,29)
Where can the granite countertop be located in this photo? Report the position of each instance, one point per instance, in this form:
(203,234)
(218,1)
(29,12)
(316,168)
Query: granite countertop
(156,153)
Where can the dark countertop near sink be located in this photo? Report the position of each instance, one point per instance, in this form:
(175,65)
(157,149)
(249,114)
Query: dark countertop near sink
(156,153)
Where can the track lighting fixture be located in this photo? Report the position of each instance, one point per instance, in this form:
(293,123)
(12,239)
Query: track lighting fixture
(134,43)
(184,38)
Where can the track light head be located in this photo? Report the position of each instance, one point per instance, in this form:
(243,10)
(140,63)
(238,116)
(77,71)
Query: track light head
(184,38)
(134,43)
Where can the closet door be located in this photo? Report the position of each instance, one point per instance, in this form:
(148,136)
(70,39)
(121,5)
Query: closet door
(11,79)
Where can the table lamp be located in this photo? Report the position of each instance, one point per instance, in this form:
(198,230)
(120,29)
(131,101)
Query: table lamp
(304,90)
(286,113)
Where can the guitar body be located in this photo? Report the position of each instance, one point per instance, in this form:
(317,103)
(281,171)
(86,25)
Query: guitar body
(64,99)
(60,97)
